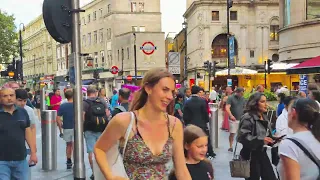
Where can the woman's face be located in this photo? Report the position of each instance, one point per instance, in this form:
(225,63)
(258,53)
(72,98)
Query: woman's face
(161,94)
(197,150)
(262,104)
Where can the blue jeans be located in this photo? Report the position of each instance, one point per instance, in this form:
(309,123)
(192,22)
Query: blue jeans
(91,139)
(14,170)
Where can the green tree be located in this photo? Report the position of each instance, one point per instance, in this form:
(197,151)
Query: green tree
(8,37)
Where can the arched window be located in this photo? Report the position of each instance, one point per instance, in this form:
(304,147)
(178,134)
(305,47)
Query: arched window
(219,46)
(274,28)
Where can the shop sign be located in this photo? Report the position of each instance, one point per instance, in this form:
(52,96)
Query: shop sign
(303,83)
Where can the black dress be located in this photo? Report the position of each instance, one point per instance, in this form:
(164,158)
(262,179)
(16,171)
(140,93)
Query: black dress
(201,171)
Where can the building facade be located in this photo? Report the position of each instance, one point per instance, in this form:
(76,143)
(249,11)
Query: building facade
(109,31)
(253,23)
(299,23)
(39,61)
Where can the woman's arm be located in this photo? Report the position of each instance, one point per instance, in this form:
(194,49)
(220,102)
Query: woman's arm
(291,168)
(114,131)
(181,170)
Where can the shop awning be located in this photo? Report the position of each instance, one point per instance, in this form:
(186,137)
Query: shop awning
(236,71)
(307,67)
(87,81)
(283,66)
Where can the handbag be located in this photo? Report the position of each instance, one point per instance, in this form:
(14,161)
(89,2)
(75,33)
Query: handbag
(114,157)
(240,168)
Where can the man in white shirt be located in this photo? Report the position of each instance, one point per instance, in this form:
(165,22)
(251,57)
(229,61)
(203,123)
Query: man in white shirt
(282,121)
(213,95)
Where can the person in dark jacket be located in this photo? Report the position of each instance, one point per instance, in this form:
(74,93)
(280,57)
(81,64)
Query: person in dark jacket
(255,132)
(195,112)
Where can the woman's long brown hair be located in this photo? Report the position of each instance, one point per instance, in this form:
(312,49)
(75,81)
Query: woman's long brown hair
(151,78)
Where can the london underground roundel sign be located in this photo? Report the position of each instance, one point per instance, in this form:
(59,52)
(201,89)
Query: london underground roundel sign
(148,48)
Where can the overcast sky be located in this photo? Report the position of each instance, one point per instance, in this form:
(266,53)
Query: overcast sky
(26,10)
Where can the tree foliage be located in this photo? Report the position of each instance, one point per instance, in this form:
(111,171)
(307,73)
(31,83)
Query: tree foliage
(8,37)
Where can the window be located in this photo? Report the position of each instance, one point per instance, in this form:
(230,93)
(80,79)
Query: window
(233,15)
(101,36)
(109,8)
(274,32)
(215,15)
(133,7)
(89,38)
(95,37)
(141,6)
(96,59)
(142,29)
(83,40)
(94,15)
(122,54)
(219,46)
(102,56)
(63,51)
(313,9)
(287,10)
(83,21)
(58,52)
(109,33)
(89,18)
(128,53)
(101,13)
(135,28)
(118,55)
(252,53)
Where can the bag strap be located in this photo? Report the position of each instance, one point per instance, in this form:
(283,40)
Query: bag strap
(306,150)
(129,129)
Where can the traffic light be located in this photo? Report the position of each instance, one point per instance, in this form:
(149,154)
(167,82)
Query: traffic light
(198,75)
(67,78)
(96,74)
(230,3)
(18,72)
(269,64)
(214,68)
(206,64)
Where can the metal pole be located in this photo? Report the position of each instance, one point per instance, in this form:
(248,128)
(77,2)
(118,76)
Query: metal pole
(42,100)
(122,58)
(135,57)
(228,35)
(79,166)
(214,123)
(49,140)
(21,53)
(185,56)
(265,74)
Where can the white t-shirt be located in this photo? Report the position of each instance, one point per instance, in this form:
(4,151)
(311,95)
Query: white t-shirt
(282,125)
(213,95)
(308,169)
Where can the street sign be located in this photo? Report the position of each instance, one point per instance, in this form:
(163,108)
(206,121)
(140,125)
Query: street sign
(231,52)
(148,48)
(174,62)
(114,70)
(303,83)
(129,78)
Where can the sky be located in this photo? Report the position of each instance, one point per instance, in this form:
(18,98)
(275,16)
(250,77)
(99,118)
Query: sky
(26,10)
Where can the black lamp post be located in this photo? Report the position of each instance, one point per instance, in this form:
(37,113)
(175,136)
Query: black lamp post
(185,26)
(20,48)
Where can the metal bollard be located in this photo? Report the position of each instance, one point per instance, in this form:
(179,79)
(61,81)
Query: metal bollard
(43,105)
(49,140)
(214,124)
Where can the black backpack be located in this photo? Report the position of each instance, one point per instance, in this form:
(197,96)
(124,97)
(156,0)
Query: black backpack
(96,118)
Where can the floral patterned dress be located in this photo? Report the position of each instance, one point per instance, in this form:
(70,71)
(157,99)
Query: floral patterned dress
(141,164)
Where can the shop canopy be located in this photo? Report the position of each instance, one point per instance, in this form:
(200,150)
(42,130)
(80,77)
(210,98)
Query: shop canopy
(236,71)
(307,67)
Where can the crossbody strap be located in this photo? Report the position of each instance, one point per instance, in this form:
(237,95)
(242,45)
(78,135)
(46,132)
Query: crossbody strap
(129,129)
(306,150)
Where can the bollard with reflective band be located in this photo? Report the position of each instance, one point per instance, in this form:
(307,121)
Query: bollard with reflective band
(43,105)
(49,140)
(214,124)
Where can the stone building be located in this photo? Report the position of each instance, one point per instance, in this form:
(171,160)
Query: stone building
(299,25)
(39,62)
(253,23)
(109,30)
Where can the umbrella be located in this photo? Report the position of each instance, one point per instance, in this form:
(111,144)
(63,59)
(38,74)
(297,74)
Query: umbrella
(236,71)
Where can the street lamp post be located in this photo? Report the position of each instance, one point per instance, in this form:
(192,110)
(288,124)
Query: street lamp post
(20,48)
(135,57)
(185,26)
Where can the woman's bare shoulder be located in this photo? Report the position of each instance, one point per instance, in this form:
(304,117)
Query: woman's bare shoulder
(175,124)
(121,120)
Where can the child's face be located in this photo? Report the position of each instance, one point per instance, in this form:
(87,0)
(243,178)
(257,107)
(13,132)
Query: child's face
(197,150)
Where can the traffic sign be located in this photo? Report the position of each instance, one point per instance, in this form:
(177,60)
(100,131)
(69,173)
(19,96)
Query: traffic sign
(114,70)
(148,48)
(129,78)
